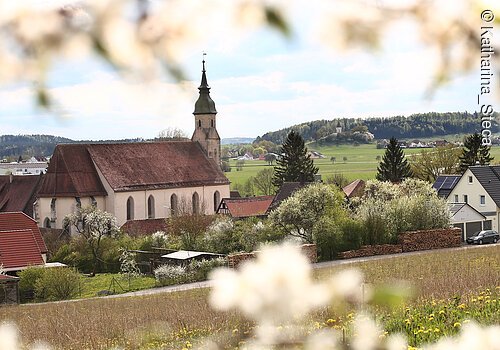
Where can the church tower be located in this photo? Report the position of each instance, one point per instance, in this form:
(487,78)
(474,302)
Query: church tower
(205,131)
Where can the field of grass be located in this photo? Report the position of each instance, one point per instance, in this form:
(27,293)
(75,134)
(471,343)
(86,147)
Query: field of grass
(455,278)
(361,162)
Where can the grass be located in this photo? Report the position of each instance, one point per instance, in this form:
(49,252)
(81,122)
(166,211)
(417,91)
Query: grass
(361,162)
(170,320)
(116,283)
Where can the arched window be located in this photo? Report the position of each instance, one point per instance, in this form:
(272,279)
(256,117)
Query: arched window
(130,208)
(53,208)
(93,201)
(46,223)
(151,207)
(173,205)
(78,203)
(196,203)
(216,201)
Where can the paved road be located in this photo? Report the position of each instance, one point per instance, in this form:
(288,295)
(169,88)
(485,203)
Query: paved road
(206,284)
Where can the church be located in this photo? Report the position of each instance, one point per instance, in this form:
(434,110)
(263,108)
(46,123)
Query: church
(138,181)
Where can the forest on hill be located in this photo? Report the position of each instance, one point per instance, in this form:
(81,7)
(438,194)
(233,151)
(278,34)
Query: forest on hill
(412,127)
(29,145)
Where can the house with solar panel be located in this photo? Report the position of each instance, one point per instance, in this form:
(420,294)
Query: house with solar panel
(138,181)
(474,198)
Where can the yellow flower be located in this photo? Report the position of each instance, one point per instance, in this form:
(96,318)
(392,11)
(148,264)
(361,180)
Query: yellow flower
(330,320)
(436,330)
(456,324)
(441,312)
(235,330)
(461,306)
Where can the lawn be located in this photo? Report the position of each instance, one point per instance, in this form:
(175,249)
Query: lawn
(361,162)
(115,283)
(462,283)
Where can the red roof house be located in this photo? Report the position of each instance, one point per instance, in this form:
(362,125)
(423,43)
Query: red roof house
(245,207)
(21,243)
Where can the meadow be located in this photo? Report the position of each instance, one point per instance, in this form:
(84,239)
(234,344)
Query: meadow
(361,162)
(452,287)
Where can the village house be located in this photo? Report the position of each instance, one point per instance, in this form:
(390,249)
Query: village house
(138,181)
(479,187)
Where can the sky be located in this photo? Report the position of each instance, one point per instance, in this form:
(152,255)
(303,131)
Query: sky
(260,81)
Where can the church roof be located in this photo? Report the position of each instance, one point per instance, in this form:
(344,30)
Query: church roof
(128,167)
(204,104)
(17,193)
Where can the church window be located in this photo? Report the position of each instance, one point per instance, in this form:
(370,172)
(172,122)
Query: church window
(78,203)
(196,203)
(130,208)
(212,123)
(151,207)
(93,202)
(216,200)
(173,205)
(199,123)
(53,209)
(46,223)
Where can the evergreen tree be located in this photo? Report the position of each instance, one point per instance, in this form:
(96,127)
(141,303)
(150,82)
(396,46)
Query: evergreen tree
(394,167)
(294,164)
(474,152)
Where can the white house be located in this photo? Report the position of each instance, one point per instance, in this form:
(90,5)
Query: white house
(479,187)
(137,181)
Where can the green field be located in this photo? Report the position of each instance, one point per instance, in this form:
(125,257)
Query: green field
(361,162)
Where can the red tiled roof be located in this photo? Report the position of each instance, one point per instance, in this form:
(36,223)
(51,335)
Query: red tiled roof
(130,166)
(19,248)
(354,189)
(71,173)
(16,221)
(247,207)
(142,227)
(286,190)
(127,167)
(20,194)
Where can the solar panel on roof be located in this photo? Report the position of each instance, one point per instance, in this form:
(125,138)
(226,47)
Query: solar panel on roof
(439,182)
(450,182)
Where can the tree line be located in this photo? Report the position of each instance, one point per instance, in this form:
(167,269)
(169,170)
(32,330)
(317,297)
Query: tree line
(415,126)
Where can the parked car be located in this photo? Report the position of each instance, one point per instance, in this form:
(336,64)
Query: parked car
(486,236)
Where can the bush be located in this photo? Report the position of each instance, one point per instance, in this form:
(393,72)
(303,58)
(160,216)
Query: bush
(333,237)
(200,269)
(171,274)
(27,282)
(58,283)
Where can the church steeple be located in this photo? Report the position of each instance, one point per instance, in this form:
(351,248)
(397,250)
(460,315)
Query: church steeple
(204,104)
(205,132)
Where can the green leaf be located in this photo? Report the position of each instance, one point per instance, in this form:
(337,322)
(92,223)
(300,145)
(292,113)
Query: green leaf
(277,21)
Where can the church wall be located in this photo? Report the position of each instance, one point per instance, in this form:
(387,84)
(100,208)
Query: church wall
(63,207)
(162,197)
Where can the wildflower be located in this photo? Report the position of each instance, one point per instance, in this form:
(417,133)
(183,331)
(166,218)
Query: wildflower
(457,324)
(461,306)
(441,312)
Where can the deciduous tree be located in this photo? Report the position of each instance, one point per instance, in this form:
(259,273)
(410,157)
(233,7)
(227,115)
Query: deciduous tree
(93,224)
(429,164)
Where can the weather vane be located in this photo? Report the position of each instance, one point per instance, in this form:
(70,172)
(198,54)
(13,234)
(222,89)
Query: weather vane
(204,54)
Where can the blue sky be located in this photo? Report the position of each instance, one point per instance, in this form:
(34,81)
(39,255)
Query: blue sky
(260,82)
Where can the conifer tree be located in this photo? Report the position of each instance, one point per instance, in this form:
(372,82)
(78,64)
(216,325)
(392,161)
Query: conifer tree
(294,165)
(474,152)
(394,167)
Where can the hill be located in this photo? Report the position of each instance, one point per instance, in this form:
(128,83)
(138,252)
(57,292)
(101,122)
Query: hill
(415,126)
(29,145)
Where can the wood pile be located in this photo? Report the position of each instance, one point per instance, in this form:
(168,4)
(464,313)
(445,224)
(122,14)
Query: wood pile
(370,250)
(430,239)
(235,260)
